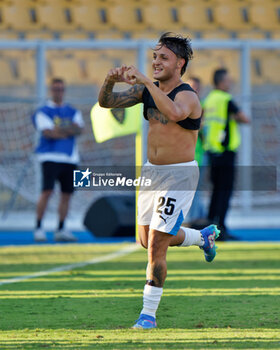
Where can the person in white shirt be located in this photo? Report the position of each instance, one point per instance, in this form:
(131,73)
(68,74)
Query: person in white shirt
(58,124)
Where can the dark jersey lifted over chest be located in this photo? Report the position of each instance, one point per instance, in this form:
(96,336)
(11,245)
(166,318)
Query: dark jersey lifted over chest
(151,111)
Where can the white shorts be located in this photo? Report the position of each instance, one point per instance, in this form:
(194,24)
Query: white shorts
(173,187)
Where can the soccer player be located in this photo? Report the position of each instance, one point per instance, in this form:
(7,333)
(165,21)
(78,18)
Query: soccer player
(174,113)
(58,124)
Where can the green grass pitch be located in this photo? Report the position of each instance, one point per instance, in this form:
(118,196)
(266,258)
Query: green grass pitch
(232,303)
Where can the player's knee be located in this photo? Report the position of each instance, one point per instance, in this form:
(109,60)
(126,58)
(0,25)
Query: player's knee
(156,250)
(47,193)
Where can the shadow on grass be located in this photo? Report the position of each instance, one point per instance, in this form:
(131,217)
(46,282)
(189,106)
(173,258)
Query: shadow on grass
(99,312)
(245,343)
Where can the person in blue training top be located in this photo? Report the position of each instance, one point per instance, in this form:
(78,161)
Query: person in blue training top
(58,124)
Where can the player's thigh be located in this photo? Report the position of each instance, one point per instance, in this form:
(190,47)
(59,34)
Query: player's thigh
(145,206)
(170,209)
(143,233)
(49,175)
(66,178)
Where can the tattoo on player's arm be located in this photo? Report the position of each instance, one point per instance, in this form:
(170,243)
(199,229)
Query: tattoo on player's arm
(157,115)
(122,99)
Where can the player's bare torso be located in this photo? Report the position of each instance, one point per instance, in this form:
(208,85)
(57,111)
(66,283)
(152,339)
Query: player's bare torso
(168,142)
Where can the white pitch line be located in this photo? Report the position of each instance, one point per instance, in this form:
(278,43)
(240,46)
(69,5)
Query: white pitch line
(117,254)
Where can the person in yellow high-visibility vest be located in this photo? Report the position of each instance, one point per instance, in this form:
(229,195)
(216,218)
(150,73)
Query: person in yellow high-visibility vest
(222,139)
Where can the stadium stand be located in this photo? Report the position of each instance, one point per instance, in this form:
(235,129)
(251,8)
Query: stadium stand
(94,66)
(39,34)
(197,15)
(146,34)
(68,69)
(21,15)
(91,15)
(118,19)
(56,15)
(203,66)
(233,15)
(27,70)
(216,34)
(7,78)
(161,15)
(257,77)
(265,14)
(271,67)
(108,34)
(74,35)
(275,34)
(251,34)
(8,34)
(127,15)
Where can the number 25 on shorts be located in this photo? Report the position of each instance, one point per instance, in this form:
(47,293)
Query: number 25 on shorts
(166,205)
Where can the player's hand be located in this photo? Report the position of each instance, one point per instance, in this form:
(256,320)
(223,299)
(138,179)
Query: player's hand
(117,75)
(134,76)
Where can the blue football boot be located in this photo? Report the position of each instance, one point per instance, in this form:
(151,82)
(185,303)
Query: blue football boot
(145,322)
(210,234)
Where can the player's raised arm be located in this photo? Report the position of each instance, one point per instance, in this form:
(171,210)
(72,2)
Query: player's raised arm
(108,98)
(186,104)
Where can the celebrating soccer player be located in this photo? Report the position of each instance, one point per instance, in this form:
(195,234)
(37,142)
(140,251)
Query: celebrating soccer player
(174,114)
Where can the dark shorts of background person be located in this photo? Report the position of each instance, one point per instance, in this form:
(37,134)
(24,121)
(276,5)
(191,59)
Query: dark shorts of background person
(61,172)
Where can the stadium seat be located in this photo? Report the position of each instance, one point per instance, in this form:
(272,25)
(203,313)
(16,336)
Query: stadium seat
(27,71)
(202,66)
(197,15)
(21,15)
(229,59)
(74,35)
(257,77)
(97,70)
(233,15)
(89,54)
(56,15)
(8,34)
(127,15)
(162,15)
(7,77)
(265,14)
(119,57)
(92,15)
(37,35)
(216,34)
(17,54)
(68,69)
(108,34)
(270,66)
(275,34)
(149,34)
(251,34)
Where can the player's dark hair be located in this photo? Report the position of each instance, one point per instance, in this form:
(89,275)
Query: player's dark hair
(195,79)
(219,75)
(179,45)
(57,81)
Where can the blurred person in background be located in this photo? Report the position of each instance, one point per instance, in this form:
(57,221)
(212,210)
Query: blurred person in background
(197,215)
(58,124)
(221,141)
